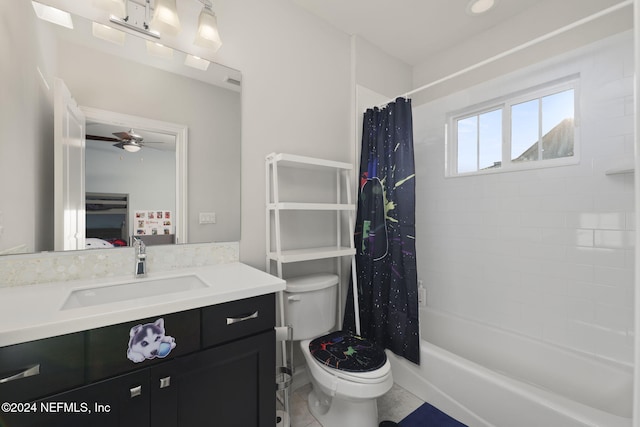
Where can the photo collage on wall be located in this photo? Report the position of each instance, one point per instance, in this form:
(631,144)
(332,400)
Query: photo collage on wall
(151,223)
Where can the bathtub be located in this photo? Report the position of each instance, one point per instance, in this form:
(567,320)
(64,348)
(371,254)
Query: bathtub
(485,376)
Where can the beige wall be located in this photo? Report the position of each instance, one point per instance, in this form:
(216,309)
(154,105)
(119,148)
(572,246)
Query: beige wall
(295,99)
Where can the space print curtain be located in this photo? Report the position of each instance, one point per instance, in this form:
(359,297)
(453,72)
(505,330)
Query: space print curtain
(385,233)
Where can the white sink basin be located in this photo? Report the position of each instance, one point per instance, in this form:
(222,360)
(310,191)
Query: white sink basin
(139,288)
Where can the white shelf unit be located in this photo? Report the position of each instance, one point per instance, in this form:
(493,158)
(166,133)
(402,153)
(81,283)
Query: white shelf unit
(276,254)
(275,251)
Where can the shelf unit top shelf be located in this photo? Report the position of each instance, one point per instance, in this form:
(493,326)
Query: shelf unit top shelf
(312,206)
(296,161)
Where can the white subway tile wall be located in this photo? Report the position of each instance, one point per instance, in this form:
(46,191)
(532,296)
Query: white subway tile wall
(547,252)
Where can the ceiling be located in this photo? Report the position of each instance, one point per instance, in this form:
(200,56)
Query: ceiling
(415,30)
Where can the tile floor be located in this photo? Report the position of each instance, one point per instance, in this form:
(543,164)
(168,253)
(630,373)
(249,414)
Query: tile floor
(393,406)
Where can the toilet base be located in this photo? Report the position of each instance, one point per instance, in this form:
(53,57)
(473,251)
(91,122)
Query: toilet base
(339,412)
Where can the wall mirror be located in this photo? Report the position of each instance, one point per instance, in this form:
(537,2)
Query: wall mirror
(136,89)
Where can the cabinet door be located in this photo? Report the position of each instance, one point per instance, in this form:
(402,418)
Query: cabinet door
(118,402)
(36,369)
(229,385)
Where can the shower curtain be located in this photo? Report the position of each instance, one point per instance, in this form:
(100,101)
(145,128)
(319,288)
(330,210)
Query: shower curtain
(385,233)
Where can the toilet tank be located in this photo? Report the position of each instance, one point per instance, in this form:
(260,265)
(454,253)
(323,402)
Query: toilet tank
(310,304)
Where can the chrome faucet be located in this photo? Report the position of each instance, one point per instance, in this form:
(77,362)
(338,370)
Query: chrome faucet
(140,258)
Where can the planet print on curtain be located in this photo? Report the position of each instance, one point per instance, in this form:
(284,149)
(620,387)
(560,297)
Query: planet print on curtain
(385,233)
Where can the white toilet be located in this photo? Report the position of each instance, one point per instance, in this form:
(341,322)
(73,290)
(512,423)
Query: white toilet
(339,398)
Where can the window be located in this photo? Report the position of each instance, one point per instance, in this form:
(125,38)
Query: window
(534,129)
(480,141)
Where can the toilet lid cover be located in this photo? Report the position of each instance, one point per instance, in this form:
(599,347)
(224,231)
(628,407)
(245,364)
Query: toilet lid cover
(346,352)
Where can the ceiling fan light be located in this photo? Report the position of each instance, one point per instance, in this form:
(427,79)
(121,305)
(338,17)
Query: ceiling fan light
(114,7)
(165,17)
(207,35)
(131,147)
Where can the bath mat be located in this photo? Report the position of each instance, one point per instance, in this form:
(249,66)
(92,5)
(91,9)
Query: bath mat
(347,352)
(427,415)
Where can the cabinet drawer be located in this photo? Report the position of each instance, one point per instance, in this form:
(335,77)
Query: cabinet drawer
(38,368)
(132,345)
(236,319)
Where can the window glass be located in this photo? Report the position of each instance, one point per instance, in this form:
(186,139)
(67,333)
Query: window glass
(490,140)
(524,131)
(539,131)
(468,144)
(557,125)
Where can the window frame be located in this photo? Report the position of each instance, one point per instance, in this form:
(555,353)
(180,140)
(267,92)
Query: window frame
(505,103)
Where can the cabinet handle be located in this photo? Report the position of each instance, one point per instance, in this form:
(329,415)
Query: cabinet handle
(165,382)
(232,320)
(29,372)
(135,391)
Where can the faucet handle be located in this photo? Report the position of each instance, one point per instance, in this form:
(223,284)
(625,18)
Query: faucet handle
(139,246)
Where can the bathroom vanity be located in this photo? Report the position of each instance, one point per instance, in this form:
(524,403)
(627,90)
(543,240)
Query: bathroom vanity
(195,357)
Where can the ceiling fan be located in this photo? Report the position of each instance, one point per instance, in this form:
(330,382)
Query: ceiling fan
(126,140)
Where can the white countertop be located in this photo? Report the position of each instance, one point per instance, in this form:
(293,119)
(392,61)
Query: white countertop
(33,312)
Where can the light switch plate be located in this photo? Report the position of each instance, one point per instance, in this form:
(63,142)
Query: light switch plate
(207,217)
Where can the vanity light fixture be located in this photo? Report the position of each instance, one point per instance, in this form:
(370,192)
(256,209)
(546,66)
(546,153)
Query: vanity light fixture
(477,7)
(162,18)
(53,15)
(207,34)
(138,23)
(196,62)
(165,17)
(108,33)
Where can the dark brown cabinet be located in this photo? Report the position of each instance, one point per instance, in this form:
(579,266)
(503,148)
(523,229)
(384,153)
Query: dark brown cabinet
(223,375)
(228,385)
(38,368)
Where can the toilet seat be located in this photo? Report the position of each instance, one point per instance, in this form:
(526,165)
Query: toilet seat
(346,352)
(374,376)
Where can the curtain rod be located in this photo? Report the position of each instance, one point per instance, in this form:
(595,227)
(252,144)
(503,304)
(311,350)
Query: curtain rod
(523,46)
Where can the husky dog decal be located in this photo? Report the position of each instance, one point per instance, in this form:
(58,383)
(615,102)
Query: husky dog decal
(148,341)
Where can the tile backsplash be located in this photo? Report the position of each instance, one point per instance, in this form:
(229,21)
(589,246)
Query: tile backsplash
(44,267)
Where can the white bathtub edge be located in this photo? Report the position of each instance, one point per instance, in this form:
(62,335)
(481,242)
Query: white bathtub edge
(408,376)
(411,377)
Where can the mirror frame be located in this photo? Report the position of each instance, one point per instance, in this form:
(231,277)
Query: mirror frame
(181,134)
